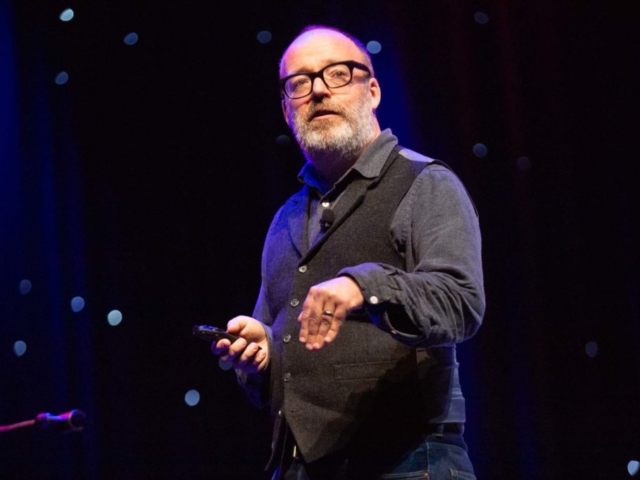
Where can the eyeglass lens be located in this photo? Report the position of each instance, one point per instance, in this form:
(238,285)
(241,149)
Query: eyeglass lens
(334,76)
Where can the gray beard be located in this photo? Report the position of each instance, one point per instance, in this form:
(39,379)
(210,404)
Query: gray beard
(336,139)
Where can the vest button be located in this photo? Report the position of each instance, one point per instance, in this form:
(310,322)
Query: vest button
(287,377)
(286,338)
(373,300)
(294,302)
(302,268)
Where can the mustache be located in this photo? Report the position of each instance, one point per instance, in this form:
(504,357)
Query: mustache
(323,107)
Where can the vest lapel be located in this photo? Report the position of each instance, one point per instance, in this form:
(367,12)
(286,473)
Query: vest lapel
(297,219)
(351,199)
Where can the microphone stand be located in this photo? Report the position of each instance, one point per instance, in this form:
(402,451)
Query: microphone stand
(72,421)
(15,426)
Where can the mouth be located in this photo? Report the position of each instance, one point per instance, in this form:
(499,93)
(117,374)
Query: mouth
(320,114)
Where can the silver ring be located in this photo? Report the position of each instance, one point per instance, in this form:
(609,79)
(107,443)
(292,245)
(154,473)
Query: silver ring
(328,313)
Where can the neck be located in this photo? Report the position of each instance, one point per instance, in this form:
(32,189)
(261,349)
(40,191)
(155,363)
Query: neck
(333,161)
(331,167)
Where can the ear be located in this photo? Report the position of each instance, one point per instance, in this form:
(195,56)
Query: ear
(375,92)
(283,104)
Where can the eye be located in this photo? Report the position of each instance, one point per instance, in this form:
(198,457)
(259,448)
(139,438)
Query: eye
(338,72)
(298,82)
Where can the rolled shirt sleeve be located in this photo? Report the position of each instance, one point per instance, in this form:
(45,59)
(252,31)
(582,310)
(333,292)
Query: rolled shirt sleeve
(440,299)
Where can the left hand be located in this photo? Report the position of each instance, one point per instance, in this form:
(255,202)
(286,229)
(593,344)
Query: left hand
(325,310)
(250,352)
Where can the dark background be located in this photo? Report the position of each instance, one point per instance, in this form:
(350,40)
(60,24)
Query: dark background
(146,184)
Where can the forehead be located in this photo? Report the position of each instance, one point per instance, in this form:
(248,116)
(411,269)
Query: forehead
(314,49)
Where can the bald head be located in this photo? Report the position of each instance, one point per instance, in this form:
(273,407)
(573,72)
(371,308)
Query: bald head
(317,39)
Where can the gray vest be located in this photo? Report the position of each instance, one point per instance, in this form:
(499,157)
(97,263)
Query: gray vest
(358,392)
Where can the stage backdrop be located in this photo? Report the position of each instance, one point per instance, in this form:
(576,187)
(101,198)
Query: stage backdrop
(143,153)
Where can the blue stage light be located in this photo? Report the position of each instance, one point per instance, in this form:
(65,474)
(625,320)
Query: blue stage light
(114,317)
(19,348)
(283,140)
(67,15)
(25,286)
(77,304)
(62,78)
(131,38)
(481,18)
(374,47)
(264,36)
(480,150)
(192,398)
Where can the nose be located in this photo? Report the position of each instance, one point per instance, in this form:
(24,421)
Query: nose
(318,87)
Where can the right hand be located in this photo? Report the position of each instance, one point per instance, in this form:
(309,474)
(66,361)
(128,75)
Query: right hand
(250,353)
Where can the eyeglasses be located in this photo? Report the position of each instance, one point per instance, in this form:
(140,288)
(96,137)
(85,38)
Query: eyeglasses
(335,75)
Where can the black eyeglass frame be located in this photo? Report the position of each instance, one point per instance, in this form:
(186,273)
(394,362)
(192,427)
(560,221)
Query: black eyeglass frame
(320,74)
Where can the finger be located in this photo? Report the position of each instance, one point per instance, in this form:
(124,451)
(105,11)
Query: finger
(251,359)
(247,356)
(220,347)
(314,330)
(303,320)
(338,320)
(320,326)
(308,316)
(238,347)
(239,355)
(236,324)
(324,326)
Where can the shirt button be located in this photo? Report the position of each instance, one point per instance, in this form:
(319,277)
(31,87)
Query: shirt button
(302,268)
(326,204)
(373,300)
(280,412)
(287,377)
(286,338)
(295,302)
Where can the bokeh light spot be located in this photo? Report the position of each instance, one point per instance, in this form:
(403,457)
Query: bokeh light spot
(131,38)
(77,304)
(114,317)
(192,398)
(66,15)
(524,163)
(264,36)
(19,348)
(374,47)
(62,78)
(481,18)
(25,286)
(480,150)
(591,348)
(633,467)
(224,365)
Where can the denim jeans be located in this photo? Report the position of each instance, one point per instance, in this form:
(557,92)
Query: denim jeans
(438,457)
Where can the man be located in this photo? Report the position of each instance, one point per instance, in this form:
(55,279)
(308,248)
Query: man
(371,274)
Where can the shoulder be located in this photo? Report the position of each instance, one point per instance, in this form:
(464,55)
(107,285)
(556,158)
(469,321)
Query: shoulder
(413,156)
(429,169)
(432,171)
(436,183)
(294,201)
(293,206)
